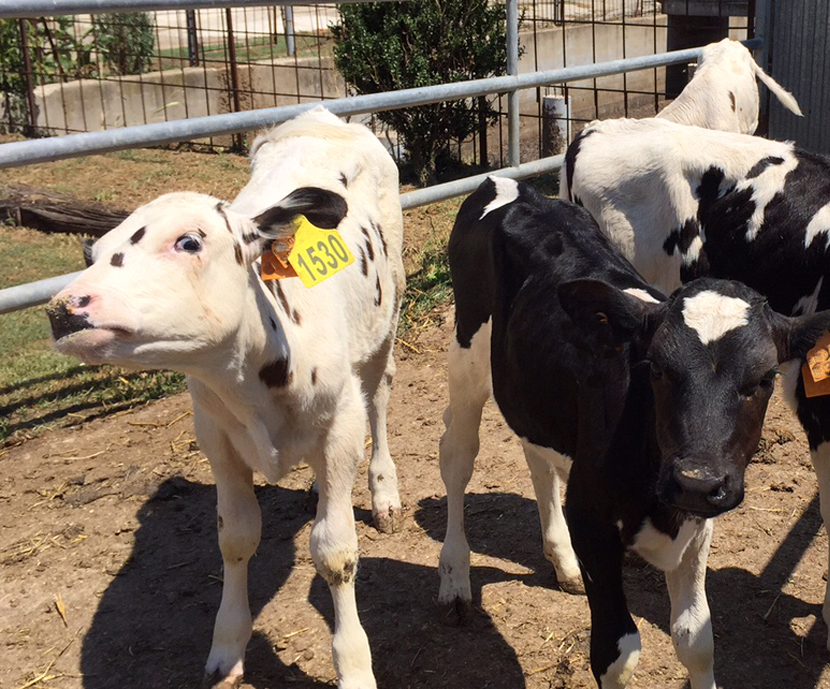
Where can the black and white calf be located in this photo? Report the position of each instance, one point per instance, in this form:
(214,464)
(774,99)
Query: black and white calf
(655,404)
(278,372)
(683,202)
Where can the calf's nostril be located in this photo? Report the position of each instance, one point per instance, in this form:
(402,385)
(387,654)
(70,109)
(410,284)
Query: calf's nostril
(81,302)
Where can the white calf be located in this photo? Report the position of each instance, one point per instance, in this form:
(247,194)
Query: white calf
(278,372)
(723,93)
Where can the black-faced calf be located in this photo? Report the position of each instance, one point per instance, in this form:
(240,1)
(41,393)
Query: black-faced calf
(654,404)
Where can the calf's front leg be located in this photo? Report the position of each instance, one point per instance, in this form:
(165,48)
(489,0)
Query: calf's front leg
(615,641)
(334,540)
(239,524)
(691,623)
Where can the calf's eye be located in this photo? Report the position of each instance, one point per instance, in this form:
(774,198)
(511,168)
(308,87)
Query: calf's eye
(189,243)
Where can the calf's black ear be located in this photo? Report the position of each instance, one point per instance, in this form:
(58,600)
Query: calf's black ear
(607,316)
(87,246)
(322,207)
(795,336)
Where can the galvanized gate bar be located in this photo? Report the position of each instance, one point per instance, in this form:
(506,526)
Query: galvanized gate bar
(20,9)
(72,145)
(34,293)
(513,147)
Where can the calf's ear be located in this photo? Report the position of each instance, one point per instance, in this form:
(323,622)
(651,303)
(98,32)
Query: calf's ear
(608,317)
(87,247)
(795,336)
(322,207)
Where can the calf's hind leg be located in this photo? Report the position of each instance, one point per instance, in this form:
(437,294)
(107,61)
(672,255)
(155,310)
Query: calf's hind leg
(469,389)
(383,477)
(545,468)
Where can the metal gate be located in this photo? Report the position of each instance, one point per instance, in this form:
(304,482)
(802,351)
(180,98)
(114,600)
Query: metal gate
(799,57)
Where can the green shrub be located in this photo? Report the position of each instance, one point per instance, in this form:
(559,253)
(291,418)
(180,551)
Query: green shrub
(396,45)
(125,41)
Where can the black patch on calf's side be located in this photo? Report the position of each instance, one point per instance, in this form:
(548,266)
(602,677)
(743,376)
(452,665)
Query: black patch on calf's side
(369,249)
(762,165)
(732,101)
(682,237)
(283,300)
(237,252)
(709,188)
(379,296)
(275,374)
(570,158)
(117,260)
(364,268)
(137,235)
(377,228)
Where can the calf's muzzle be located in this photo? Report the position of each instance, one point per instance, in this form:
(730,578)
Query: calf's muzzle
(66,315)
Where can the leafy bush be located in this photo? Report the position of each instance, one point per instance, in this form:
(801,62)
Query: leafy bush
(125,41)
(396,45)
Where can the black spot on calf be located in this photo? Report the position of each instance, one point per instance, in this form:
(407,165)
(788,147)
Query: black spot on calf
(364,268)
(343,180)
(137,235)
(117,260)
(314,376)
(237,252)
(275,374)
(379,296)
(732,101)
(762,165)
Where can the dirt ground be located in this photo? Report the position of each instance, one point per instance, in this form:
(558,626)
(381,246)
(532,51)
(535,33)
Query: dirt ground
(109,568)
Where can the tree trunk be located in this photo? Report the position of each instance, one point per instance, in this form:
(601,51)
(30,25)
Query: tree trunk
(50,211)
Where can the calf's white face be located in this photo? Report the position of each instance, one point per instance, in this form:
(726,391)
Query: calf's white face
(168,282)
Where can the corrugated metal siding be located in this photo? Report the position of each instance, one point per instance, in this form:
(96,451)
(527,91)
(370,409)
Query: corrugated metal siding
(800,62)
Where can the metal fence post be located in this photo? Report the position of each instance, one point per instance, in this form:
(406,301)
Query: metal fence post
(513,143)
(192,38)
(31,114)
(289,31)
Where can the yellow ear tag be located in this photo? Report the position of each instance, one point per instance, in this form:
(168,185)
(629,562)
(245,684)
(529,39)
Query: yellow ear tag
(816,372)
(317,254)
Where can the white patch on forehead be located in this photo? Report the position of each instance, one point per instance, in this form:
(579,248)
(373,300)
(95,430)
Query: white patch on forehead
(507,190)
(641,294)
(712,315)
(819,223)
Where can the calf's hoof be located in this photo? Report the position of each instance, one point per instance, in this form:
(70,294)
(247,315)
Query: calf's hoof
(213,680)
(572,585)
(456,612)
(389,521)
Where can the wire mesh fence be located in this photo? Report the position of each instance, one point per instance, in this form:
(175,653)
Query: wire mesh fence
(86,73)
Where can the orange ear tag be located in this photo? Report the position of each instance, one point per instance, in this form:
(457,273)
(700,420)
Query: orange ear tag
(274,263)
(816,372)
(317,254)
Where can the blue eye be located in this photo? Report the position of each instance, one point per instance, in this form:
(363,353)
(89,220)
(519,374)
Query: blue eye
(191,243)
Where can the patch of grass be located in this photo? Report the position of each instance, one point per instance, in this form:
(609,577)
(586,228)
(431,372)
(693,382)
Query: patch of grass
(40,388)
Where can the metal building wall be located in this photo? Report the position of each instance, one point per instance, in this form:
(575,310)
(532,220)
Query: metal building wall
(800,61)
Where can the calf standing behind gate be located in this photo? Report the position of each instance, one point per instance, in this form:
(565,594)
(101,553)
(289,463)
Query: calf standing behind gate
(682,202)
(657,403)
(278,372)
